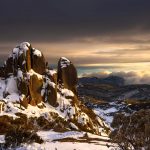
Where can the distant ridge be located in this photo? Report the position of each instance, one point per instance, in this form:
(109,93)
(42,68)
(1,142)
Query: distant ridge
(112,80)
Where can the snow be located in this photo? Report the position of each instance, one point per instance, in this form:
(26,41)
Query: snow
(64,58)
(2,139)
(45,85)
(37,53)
(71,111)
(73,126)
(43,90)
(32,72)
(14,97)
(20,49)
(15,51)
(20,74)
(1,106)
(105,114)
(24,46)
(34,111)
(48,81)
(63,103)
(31,111)
(64,62)
(51,135)
(2,88)
(128,95)
(67,92)
(49,144)
(111,110)
(52,72)
(24,62)
(11,86)
(21,97)
(66,146)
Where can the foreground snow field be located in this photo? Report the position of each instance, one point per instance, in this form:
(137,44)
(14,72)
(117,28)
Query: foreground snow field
(71,140)
(65,146)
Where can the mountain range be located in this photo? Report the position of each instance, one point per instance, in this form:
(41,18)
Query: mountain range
(108,96)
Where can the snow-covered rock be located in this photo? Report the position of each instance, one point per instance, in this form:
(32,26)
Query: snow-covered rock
(33,96)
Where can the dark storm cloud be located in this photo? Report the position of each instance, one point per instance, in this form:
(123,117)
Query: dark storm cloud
(58,20)
(106,31)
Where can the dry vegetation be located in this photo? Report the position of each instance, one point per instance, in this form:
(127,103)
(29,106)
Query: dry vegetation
(133,131)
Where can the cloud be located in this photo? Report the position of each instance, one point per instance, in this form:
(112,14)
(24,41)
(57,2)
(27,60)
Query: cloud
(131,77)
(106,31)
(51,20)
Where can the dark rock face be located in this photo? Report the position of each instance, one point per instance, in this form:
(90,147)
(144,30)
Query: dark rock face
(49,91)
(28,58)
(52,95)
(23,87)
(67,74)
(38,61)
(24,102)
(21,62)
(2,72)
(9,66)
(35,85)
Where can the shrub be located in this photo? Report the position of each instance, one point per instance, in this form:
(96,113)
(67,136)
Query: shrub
(132,131)
(18,136)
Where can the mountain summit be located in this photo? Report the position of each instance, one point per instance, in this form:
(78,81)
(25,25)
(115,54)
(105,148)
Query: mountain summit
(33,96)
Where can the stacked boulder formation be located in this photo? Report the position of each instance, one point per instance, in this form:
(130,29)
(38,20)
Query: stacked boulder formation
(28,66)
(26,80)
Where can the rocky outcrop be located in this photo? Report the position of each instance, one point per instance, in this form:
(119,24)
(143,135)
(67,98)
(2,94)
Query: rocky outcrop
(35,85)
(27,64)
(38,61)
(67,74)
(31,88)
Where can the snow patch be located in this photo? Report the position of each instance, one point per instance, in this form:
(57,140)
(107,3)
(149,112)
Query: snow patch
(2,139)
(49,136)
(25,46)
(11,86)
(67,92)
(64,62)
(105,114)
(74,126)
(52,135)
(51,72)
(14,97)
(32,72)
(20,74)
(2,88)
(37,53)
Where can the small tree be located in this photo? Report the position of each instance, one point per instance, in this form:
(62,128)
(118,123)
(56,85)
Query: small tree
(132,131)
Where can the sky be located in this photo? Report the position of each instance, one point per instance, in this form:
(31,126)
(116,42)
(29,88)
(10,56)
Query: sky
(111,35)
